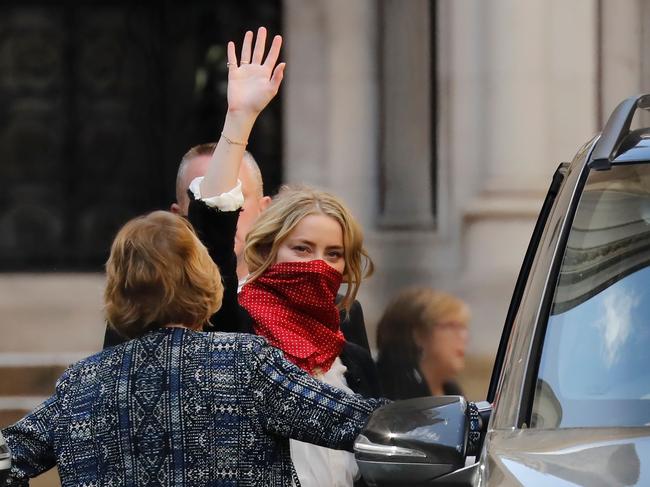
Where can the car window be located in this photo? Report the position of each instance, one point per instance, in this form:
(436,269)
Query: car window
(594,368)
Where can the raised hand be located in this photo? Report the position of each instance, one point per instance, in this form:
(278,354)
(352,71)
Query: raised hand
(253,82)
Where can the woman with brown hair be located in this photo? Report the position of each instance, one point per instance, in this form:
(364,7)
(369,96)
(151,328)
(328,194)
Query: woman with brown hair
(421,341)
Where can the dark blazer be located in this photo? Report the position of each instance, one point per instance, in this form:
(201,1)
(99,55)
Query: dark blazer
(177,407)
(353,325)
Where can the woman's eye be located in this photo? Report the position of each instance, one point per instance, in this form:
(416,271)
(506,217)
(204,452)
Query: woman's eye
(301,248)
(335,254)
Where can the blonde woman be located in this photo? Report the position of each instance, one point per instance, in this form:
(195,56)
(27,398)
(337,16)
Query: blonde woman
(421,342)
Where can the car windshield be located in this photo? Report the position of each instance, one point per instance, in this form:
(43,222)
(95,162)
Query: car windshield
(594,366)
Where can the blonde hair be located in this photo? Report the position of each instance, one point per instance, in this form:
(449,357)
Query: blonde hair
(159,272)
(416,311)
(288,208)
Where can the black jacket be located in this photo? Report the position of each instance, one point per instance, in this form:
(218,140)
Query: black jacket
(401,379)
(353,325)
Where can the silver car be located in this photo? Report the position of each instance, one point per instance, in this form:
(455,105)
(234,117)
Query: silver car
(569,400)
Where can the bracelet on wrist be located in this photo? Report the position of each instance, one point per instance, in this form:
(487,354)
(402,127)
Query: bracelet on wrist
(233,142)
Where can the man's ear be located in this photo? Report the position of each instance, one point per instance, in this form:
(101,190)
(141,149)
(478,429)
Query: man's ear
(265,201)
(175,208)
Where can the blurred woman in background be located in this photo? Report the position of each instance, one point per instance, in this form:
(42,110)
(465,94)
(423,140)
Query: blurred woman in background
(421,341)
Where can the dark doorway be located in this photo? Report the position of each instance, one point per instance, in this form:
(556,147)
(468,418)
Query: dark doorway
(98,102)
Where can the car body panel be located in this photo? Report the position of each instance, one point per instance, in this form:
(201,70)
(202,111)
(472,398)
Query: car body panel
(635,148)
(578,452)
(590,457)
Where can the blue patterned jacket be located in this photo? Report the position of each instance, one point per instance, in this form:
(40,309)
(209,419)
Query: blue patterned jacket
(184,408)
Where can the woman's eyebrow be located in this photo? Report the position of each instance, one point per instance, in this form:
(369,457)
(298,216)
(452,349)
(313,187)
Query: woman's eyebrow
(309,242)
(303,241)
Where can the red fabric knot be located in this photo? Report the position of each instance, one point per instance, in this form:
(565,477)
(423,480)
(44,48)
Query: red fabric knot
(293,305)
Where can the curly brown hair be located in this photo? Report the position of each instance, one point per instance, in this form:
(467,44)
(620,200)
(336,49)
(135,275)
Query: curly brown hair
(159,273)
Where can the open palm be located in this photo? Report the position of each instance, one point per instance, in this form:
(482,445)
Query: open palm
(255,81)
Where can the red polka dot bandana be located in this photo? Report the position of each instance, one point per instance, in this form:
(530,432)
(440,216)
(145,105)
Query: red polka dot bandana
(293,306)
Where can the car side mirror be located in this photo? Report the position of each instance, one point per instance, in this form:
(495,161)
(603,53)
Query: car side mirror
(415,441)
(5,460)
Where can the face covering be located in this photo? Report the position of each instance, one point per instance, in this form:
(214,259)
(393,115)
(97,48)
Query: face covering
(293,307)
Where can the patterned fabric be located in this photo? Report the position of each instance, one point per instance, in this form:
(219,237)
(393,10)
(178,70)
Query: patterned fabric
(183,408)
(293,307)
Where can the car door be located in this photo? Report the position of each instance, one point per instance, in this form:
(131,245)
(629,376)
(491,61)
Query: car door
(572,402)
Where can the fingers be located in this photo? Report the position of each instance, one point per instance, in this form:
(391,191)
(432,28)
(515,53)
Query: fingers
(274,52)
(232,55)
(260,44)
(246,47)
(278,74)
(248,55)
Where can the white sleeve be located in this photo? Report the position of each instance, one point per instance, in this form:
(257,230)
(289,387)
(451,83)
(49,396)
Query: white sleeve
(318,466)
(230,201)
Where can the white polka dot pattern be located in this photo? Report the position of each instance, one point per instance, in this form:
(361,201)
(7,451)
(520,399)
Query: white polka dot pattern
(293,306)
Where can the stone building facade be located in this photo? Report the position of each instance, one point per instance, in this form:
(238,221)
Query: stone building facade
(441,123)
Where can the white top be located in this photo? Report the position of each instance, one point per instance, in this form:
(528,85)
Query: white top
(318,466)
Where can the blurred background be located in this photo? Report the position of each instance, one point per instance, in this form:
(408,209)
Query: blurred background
(439,122)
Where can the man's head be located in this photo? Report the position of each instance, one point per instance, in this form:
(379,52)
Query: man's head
(195,163)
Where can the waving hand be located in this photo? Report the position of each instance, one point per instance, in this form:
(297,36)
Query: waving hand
(253,82)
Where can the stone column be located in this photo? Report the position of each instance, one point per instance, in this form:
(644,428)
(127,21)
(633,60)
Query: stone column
(407,119)
(540,89)
(519,81)
(331,99)
(304,92)
(625,40)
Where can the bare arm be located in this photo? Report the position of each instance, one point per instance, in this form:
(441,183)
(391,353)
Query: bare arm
(252,84)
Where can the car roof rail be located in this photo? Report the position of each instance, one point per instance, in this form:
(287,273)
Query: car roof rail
(616,129)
